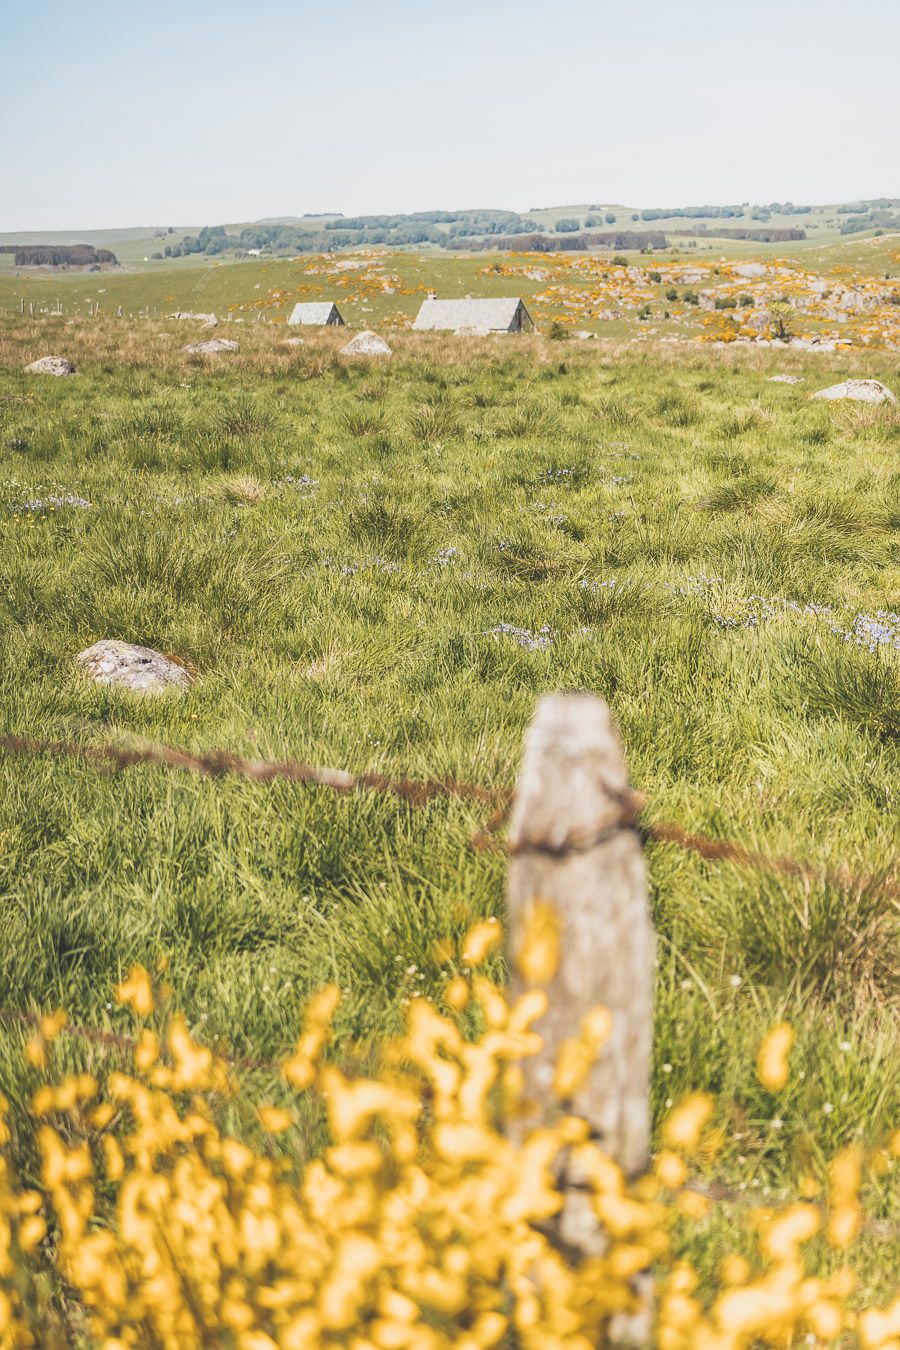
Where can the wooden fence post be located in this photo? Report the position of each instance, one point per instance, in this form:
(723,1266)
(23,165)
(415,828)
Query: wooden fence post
(573,844)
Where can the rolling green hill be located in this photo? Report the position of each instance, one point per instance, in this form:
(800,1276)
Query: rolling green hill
(822,224)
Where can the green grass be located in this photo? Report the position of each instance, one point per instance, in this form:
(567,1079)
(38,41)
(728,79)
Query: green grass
(323,624)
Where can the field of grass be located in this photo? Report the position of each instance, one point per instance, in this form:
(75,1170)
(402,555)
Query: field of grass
(381,566)
(846,291)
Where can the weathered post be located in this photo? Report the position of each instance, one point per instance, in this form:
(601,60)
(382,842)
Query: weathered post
(573,844)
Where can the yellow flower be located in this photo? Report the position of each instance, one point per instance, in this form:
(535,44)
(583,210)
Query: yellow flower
(844,1178)
(670,1170)
(32,1231)
(146,1051)
(685,1125)
(36,1052)
(772,1060)
(53,1023)
(782,1235)
(537,958)
(275,1118)
(137,992)
(112,1158)
(480,940)
(456,994)
(734,1270)
(573,1064)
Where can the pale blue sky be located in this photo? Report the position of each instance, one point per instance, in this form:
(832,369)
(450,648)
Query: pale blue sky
(123,112)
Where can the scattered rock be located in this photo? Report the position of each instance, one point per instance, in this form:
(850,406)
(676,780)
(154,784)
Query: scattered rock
(140,669)
(861,391)
(583,335)
(815,344)
(366,344)
(208,320)
(294,342)
(51,365)
(53,504)
(785,379)
(213,345)
(749,271)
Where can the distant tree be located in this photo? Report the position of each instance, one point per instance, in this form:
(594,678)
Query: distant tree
(782,314)
(567,225)
(610,218)
(59,255)
(156,256)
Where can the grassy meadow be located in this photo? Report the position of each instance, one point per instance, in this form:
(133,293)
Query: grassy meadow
(381,566)
(601,294)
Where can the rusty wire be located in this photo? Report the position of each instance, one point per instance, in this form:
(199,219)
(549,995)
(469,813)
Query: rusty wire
(216,763)
(115,1040)
(418,792)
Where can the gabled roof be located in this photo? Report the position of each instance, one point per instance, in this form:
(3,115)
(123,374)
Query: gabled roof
(313,312)
(496,315)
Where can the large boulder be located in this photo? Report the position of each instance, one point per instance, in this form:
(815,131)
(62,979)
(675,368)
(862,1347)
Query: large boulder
(213,345)
(366,344)
(51,365)
(861,391)
(139,669)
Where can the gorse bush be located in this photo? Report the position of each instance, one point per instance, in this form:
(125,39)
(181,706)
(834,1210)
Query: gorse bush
(420,1223)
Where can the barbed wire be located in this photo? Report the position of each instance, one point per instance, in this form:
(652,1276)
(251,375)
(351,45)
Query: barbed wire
(216,763)
(419,792)
(416,792)
(116,1040)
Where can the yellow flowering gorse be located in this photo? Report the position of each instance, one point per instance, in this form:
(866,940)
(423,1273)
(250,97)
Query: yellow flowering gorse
(420,1225)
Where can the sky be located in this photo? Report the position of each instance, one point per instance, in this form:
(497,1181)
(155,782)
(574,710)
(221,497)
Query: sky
(186,112)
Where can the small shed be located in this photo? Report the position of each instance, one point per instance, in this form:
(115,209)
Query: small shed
(504,315)
(320,315)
